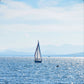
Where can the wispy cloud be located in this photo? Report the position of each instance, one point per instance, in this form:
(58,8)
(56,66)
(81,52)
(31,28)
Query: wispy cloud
(43,28)
(49,16)
(16,9)
(70,18)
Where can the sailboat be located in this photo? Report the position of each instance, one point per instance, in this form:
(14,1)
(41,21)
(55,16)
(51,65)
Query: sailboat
(37,55)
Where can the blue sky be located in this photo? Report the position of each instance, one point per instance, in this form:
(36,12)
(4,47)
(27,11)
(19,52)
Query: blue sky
(52,22)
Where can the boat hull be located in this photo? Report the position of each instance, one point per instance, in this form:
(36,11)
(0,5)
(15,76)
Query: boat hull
(38,61)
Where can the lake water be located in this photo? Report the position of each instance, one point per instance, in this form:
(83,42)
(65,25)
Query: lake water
(23,70)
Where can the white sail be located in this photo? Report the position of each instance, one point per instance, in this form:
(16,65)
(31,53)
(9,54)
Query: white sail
(38,53)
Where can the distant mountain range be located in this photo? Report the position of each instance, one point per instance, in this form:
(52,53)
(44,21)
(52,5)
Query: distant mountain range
(48,50)
(81,54)
(14,53)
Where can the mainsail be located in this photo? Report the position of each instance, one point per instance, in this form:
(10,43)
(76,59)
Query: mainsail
(38,54)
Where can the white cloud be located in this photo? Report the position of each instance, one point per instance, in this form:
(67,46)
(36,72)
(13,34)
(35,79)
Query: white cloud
(15,9)
(15,4)
(43,28)
(70,20)
(27,35)
(2,48)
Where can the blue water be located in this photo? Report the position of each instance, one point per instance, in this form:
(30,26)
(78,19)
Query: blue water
(21,70)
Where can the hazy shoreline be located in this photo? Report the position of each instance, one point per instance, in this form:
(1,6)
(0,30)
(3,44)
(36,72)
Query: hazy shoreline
(42,57)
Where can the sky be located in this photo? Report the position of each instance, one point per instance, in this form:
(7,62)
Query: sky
(52,22)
